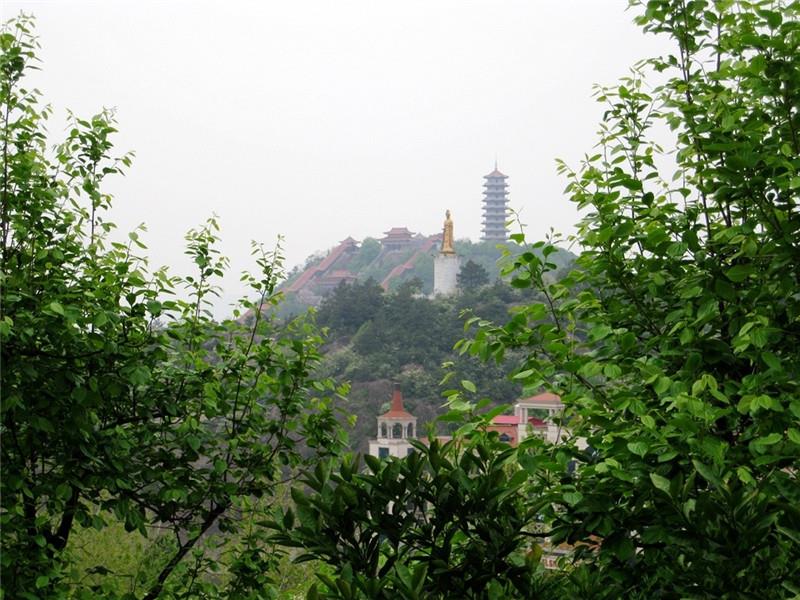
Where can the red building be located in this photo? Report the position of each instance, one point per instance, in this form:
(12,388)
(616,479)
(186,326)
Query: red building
(538,415)
(508,427)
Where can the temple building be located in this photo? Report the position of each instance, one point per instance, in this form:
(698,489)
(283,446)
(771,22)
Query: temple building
(396,428)
(495,206)
(329,282)
(397,238)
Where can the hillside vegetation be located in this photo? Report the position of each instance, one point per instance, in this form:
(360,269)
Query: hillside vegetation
(376,337)
(352,261)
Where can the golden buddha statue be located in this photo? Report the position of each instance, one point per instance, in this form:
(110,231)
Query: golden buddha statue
(447,235)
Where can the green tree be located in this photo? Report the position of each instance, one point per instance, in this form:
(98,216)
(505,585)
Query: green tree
(120,400)
(674,343)
(349,306)
(472,276)
(448,521)
(408,329)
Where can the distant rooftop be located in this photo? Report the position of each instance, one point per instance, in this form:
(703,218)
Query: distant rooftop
(398,231)
(506,420)
(545,399)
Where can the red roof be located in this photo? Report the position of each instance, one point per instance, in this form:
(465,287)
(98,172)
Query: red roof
(545,399)
(327,262)
(506,420)
(398,232)
(342,274)
(427,245)
(397,411)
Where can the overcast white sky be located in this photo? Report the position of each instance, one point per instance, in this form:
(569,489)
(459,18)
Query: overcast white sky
(322,119)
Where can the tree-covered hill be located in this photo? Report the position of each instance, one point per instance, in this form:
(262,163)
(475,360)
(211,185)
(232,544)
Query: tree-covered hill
(387,265)
(377,337)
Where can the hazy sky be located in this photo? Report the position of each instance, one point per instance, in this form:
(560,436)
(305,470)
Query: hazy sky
(322,119)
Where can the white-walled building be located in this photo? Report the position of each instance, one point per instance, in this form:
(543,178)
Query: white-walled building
(533,420)
(538,415)
(395,428)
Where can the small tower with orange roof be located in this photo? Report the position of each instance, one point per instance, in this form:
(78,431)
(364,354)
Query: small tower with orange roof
(396,427)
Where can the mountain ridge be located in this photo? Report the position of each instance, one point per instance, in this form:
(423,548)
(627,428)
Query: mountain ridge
(401,255)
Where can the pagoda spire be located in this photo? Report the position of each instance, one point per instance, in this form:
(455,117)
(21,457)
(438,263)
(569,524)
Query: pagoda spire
(495,206)
(397,399)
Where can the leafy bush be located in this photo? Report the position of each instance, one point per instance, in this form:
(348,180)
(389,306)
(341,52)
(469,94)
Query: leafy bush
(120,397)
(674,343)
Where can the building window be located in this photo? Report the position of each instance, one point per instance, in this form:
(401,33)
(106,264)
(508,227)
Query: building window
(383,452)
(505,437)
(397,430)
(384,430)
(409,451)
(410,430)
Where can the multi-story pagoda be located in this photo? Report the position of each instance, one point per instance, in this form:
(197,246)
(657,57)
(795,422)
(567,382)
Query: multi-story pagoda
(495,206)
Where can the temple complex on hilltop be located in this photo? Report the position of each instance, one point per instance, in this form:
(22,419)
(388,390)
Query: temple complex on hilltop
(495,206)
(402,251)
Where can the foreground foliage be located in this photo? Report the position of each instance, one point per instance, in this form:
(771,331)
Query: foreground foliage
(448,521)
(120,398)
(675,341)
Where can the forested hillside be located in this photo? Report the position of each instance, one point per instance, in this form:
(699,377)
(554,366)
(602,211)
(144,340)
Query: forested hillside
(377,337)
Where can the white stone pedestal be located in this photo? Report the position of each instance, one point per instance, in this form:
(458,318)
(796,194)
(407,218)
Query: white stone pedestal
(445,274)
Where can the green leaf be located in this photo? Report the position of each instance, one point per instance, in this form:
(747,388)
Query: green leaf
(662,483)
(739,273)
(57,308)
(707,473)
(794,435)
(63,491)
(599,332)
(639,448)
(769,440)
(468,385)
(662,385)
(667,456)
(772,361)
(745,476)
